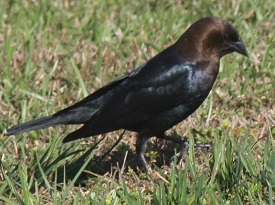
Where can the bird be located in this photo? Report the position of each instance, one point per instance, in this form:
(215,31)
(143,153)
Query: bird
(155,96)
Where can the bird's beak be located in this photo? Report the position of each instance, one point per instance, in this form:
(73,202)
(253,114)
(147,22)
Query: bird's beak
(239,47)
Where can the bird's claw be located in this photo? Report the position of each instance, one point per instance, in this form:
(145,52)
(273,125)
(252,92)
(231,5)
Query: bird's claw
(185,145)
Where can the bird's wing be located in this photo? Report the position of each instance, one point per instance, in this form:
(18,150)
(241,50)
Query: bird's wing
(163,91)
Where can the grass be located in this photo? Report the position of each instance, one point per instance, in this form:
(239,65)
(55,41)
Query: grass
(55,53)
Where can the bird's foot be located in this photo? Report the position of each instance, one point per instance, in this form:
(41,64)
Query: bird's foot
(185,146)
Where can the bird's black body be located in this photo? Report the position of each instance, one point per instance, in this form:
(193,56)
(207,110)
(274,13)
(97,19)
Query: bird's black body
(157,95)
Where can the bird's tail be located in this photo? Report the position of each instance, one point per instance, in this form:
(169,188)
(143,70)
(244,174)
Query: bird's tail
(35,125)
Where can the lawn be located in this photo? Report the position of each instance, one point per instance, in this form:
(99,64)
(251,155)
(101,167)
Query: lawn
(54,53)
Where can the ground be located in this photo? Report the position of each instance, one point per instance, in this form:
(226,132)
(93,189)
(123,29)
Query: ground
(55,53)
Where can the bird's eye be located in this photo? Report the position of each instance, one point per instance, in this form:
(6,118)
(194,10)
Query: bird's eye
(226,37)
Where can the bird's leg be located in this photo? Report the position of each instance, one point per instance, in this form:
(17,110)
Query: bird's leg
(141,148)
(184,144)
(173,139)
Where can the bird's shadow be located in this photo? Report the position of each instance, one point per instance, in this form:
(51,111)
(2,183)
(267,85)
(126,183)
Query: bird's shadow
(115,161)
(159,153)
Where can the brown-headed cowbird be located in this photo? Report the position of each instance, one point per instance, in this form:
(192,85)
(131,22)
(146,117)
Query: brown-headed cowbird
(157,95)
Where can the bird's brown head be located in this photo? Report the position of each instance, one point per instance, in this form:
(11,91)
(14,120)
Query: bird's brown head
(211,37)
